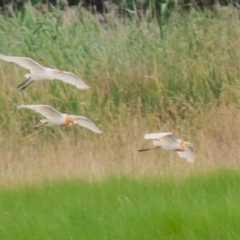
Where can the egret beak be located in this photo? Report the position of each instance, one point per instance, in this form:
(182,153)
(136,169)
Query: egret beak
(75,118)
(193,144)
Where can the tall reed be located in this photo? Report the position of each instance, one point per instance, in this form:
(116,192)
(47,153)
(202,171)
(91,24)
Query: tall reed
(186,82)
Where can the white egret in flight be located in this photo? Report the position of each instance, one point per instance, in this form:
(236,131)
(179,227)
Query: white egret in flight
(167,141)
(38,72)
(53,117)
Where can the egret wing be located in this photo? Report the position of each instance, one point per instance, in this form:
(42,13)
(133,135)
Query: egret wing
(27,63)
(70,78)
(188,154)
(46,110)
(155,136)
(165,140)
(85,122)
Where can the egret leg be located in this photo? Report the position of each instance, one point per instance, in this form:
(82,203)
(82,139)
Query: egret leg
(23,82)
(21,89)
(146,149)
(39,125)
(143,149)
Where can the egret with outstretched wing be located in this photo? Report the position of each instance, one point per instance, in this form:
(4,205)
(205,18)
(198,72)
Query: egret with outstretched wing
(167,141)
(54,117)
(38,72)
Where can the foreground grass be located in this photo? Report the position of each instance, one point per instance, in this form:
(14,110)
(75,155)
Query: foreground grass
(199,207)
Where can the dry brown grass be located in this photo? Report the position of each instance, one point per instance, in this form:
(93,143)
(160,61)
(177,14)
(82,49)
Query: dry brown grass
(90,156)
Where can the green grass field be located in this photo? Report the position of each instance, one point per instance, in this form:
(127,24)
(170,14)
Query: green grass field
(205,206)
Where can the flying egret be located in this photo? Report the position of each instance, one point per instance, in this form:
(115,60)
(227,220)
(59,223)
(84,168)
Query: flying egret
(38,72)
(167,141)
(56,118)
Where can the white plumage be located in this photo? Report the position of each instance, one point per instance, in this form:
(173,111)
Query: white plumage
(54,117)
(38,72)
(167,141)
